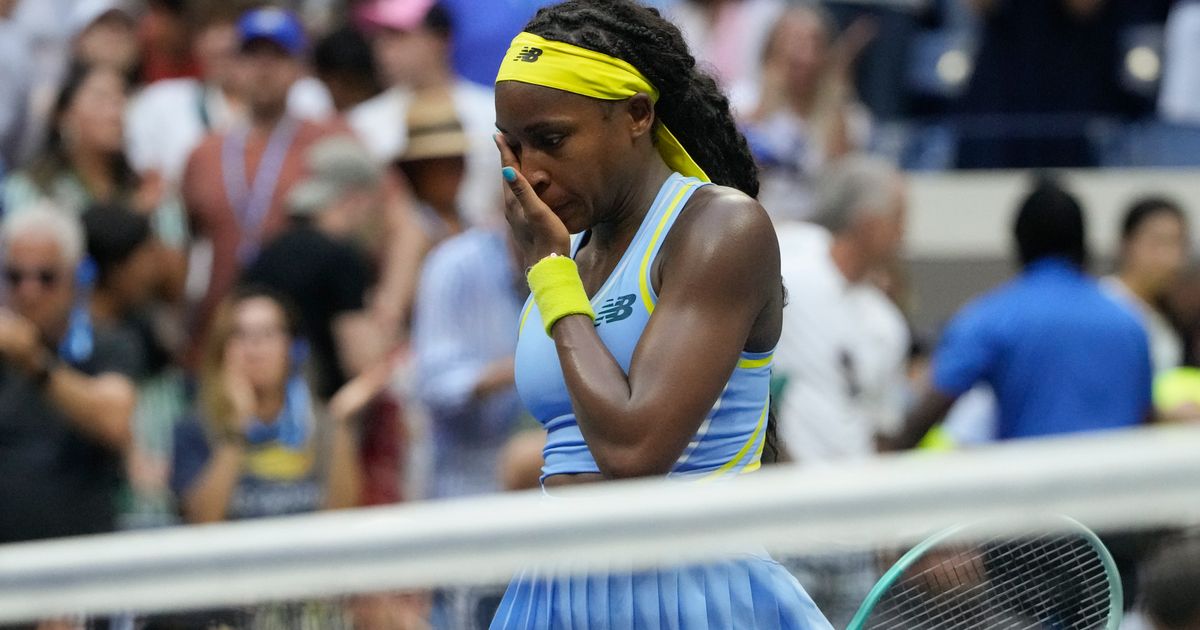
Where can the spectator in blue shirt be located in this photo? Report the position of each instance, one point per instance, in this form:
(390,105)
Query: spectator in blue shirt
(1059,353)
(467,309)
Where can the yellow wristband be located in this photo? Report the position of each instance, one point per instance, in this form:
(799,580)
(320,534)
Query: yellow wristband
(558,291)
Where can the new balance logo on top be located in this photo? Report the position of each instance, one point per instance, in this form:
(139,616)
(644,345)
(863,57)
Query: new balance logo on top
(616,309)
(528,54)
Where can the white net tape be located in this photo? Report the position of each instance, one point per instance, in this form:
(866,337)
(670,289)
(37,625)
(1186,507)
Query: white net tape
(1128,480)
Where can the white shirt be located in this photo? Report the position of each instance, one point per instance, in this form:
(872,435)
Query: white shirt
(843,351)
(1166,350)
(1179,96)
(16,74)
(167,120)
(381,125)
(43,26)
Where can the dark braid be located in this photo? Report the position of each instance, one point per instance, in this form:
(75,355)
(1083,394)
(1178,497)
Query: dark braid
(690,103)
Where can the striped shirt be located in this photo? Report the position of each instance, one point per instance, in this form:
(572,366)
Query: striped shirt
(466,318)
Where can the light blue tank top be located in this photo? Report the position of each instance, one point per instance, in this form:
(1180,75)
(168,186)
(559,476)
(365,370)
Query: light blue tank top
(731,438)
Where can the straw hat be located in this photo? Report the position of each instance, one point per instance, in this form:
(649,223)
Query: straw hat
(434,130)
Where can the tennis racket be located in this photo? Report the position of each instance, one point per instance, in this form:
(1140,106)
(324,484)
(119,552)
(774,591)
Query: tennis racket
(1056,577)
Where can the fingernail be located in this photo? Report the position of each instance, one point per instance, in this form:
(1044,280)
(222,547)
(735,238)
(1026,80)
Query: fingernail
(509,173)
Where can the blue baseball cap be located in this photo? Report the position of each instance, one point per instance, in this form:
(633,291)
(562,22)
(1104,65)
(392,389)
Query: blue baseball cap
(278,26)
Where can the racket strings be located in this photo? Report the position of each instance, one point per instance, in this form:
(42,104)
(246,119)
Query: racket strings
(946,592)
(1050,581)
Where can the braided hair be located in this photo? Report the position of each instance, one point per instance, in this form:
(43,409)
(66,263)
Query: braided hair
(690,103)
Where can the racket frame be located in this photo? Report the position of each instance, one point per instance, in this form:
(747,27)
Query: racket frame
(893,574)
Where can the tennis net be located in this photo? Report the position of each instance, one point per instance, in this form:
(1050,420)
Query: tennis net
(837,528)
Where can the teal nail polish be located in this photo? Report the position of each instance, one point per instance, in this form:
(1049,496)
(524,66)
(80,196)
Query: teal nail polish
(509,173)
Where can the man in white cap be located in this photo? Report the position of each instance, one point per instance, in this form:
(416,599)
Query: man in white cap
(104,32)
(39,40)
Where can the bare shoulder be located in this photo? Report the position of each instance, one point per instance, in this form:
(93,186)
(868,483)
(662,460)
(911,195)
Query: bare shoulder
(202,163)
(210,144)
(723,238)
(728,221)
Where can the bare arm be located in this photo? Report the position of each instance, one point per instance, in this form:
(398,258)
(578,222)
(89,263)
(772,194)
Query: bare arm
(931,409)
(639,424)
(173,266)
(207,501)
(344,480)
(343,486)
(360,340)
(400,268)
(101,406)
(98,406)
(497,376)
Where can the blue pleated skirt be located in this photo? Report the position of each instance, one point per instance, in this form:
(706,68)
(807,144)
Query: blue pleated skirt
(749,591)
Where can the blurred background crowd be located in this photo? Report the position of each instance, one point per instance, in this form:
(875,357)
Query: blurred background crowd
(255,261)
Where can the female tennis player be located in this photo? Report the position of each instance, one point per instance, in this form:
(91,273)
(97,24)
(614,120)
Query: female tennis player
(645,348)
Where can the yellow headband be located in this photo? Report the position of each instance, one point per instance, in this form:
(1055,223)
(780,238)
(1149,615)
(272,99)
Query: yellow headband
(539,61)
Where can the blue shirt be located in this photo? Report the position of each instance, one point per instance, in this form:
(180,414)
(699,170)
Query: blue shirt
(466,318)
(1059,353)
(276,479)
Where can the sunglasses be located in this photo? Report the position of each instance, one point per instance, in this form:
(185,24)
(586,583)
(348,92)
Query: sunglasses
(16,276)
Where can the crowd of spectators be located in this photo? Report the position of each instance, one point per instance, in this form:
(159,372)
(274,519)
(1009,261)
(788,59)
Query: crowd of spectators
(255,262)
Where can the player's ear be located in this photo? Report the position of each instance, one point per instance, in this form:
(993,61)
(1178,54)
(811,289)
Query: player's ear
(640,110)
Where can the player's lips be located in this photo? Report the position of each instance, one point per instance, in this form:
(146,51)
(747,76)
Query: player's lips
(559,208)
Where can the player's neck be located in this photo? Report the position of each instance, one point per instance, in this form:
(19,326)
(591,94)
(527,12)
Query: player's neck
(631,209)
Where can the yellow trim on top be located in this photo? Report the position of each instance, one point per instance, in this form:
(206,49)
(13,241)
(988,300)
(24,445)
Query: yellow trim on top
(642,284)
(745,450)
(757,462)
(524,316)
(755,363)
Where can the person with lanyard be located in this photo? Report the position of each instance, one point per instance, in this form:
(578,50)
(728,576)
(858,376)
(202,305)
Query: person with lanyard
(646,346)
(167,119)
(236,182)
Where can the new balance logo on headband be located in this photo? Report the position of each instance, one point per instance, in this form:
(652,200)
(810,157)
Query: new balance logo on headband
(529,54)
